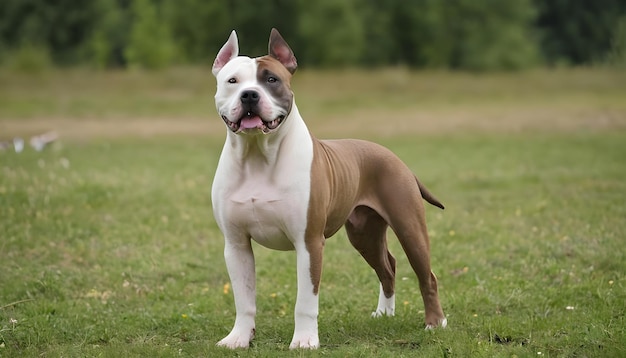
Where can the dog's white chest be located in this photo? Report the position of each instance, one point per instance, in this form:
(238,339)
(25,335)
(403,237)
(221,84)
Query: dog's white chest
(264,213)
(267,202)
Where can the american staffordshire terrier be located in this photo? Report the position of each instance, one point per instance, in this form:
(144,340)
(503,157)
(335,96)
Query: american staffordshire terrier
(278,185)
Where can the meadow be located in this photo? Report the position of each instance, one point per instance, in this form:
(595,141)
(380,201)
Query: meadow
(108,246)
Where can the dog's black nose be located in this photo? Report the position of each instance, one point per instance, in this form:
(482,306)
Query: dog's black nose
(250,97)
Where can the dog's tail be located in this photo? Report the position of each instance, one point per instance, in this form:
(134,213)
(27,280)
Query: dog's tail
(428,196)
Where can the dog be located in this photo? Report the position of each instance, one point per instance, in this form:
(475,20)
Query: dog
(278,185)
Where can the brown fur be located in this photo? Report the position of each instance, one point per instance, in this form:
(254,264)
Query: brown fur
(367,188)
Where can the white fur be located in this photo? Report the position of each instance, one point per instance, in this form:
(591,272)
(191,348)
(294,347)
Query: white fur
(386,306)
(307,304)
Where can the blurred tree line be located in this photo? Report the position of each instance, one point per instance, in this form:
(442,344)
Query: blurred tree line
(455,34)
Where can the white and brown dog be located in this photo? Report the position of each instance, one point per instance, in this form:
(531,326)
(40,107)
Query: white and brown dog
(278,185)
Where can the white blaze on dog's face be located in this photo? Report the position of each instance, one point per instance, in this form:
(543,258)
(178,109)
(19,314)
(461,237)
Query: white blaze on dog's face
(253,94)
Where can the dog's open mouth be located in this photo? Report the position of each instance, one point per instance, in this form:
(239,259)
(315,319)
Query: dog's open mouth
(251,120)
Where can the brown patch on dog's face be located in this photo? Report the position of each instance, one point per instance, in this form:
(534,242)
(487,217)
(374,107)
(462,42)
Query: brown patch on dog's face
(276,80)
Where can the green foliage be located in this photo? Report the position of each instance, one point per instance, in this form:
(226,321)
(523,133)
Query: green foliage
(108,38)
(200,27)
(61,27)
(617,55)
(253,20)
(577,31)
(150,44)
(332,31)
(379,46)
(494,35)
(474,35)
(457,34)
(29,59)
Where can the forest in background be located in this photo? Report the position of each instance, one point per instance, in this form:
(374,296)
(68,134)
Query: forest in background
(475,35)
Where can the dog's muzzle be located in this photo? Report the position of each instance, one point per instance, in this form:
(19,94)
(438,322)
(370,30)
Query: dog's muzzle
(251,119)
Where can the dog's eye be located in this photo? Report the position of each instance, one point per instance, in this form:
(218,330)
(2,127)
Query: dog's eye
(272,79)
(232,80)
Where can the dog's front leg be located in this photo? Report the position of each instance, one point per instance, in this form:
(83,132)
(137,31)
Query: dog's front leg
(240,264)
(309,267)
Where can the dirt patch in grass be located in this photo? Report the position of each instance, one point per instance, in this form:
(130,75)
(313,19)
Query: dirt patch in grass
(491,120)
(357,123)
(85,129)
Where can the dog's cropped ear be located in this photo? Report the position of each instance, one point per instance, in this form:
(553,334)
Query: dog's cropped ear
(279,49)
(229,51)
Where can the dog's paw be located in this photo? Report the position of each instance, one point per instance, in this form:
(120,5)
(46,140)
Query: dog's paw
(236,340)
(385,312)
(305,341)
(386,305)
(442,323)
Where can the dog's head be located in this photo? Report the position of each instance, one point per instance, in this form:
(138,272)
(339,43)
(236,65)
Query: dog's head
(254,94)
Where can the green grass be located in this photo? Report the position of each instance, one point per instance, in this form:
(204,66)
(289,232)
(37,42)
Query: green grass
(108,246)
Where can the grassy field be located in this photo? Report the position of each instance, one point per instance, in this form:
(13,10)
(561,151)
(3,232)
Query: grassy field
(108,246)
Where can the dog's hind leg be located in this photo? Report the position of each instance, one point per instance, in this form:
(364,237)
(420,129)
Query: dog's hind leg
(414,239)
(367,233)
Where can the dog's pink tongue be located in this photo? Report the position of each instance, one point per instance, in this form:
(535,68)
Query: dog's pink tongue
(251,122)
